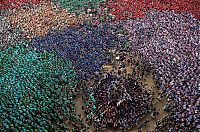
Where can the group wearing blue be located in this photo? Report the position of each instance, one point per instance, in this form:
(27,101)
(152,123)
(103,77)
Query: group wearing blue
(86,45)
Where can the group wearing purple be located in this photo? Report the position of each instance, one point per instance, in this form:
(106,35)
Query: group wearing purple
(170,42)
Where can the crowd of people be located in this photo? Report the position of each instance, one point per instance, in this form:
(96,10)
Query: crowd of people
(170,42)
(37,88)
(37,91)
(85,46)
(116,98)
(37,20)
(9,35)
(79,6)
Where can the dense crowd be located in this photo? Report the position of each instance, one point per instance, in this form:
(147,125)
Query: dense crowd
(36,91)
(133,9)
(9,35)
(85,46)
(38,20)
(39,80)
(170,42)
(117,99)
(79,6)
(13,4)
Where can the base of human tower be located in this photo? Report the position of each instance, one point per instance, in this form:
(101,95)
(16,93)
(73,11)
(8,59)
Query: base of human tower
(118,98)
